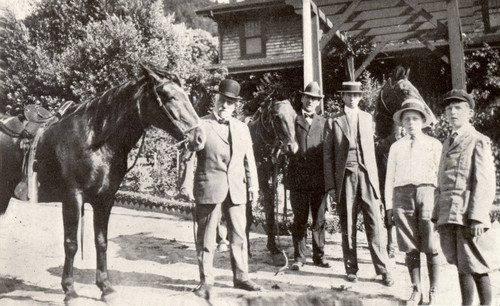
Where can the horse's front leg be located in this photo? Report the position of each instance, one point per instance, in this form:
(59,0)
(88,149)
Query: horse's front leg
(269,211)
(102,211)
(71,216)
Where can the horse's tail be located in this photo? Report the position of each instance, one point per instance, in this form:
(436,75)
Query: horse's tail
(82,227)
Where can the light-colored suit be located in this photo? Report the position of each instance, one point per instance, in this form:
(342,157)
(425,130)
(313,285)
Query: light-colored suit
(466,180)
(225,172)
(215,176)
(356,185)
(466,191)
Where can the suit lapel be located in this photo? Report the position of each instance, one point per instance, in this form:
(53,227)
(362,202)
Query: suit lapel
(213,125)
(344,126)
(460,140)
(302,122)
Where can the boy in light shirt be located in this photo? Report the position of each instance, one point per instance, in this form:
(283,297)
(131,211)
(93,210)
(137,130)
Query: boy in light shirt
(412,170)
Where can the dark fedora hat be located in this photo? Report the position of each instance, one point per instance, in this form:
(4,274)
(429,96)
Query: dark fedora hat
(230,89)
(313,90)
(351,86)
(458,95)
(414,105)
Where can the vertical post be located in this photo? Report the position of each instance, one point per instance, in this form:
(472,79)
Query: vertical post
(316,56)
(307,41)
(456,46)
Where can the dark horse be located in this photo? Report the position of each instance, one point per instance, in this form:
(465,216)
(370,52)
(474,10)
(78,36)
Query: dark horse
(83,157)
(395,90)
(273,132)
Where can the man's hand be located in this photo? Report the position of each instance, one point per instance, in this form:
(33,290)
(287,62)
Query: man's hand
(476,228)
(389,221)
(185,195)
(253,196)
(331,193)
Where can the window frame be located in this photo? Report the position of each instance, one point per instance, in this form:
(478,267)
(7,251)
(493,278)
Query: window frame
(243,39)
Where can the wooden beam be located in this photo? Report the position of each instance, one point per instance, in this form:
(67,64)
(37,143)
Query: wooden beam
(429,45)
(316,10)
(337,23)
(431,18)
(316,54)
(307,42)
(369,59)
(456,46)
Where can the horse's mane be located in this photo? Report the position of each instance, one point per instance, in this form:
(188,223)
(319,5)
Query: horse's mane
(263,112)
(107,112)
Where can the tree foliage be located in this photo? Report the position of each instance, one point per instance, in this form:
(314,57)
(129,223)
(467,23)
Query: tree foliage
(76,49)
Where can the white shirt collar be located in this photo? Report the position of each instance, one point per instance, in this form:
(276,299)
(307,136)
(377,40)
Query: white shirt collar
(461,130)
(351,111)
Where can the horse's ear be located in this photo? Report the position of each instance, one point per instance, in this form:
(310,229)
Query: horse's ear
(390,81)
(149,73)
(407,74)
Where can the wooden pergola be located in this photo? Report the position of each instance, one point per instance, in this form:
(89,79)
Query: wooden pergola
(391,25)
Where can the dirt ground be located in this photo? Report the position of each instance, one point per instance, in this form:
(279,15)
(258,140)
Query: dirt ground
(151,258)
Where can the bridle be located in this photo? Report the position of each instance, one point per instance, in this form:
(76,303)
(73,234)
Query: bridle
(166,111)
(278,142)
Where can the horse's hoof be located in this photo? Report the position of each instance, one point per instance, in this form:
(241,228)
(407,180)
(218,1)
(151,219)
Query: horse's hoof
(71,299)
(110,297)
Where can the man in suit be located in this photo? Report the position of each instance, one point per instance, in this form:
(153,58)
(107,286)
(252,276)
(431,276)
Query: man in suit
(351,174)
(305,179)
(464,197)
(225,174)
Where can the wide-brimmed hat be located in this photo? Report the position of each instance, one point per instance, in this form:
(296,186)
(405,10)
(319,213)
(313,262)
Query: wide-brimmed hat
(414,105)
(313,90)
(458,95)
(230,89)
(351,86)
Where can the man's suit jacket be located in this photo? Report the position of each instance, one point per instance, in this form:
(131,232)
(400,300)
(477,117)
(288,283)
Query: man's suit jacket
(336,148)
(466,180)
(214,177)
(305,170)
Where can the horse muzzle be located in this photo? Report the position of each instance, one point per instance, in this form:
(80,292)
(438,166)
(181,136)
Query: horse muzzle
(196,139)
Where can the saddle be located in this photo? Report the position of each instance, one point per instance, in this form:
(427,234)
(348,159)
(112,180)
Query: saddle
(29,131)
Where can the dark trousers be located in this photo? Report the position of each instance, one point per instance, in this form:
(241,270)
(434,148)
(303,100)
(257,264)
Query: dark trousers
(301,203)
(357,194)
(207,218)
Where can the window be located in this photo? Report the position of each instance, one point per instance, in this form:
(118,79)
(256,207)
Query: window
(491,15)
(494,7)
(252,39)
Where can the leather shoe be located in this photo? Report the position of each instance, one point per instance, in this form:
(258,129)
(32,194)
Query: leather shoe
(387,279)
(351,277)
(322,264)
(433,296)
(296,266)
(203,291)
(416,298)
(247,285)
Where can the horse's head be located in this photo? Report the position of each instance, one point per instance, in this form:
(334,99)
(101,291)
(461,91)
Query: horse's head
(395,90)
(280,117)
(172,111)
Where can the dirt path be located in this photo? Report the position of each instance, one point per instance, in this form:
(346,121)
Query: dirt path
(152,261)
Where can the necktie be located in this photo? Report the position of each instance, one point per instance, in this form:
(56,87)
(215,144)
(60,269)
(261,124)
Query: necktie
(412,140)
(308,115)
(223,121)
(452,137)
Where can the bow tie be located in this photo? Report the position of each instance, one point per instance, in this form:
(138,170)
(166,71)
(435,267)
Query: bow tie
(223,121)
(308,115)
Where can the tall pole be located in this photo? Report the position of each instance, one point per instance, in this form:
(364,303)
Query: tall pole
(456,46)
(307,39)
(316,58)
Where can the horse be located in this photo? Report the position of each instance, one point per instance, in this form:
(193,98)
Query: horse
(83,157)
(273,132)
(392,94)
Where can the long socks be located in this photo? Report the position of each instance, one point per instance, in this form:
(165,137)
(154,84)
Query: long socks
(483,288)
